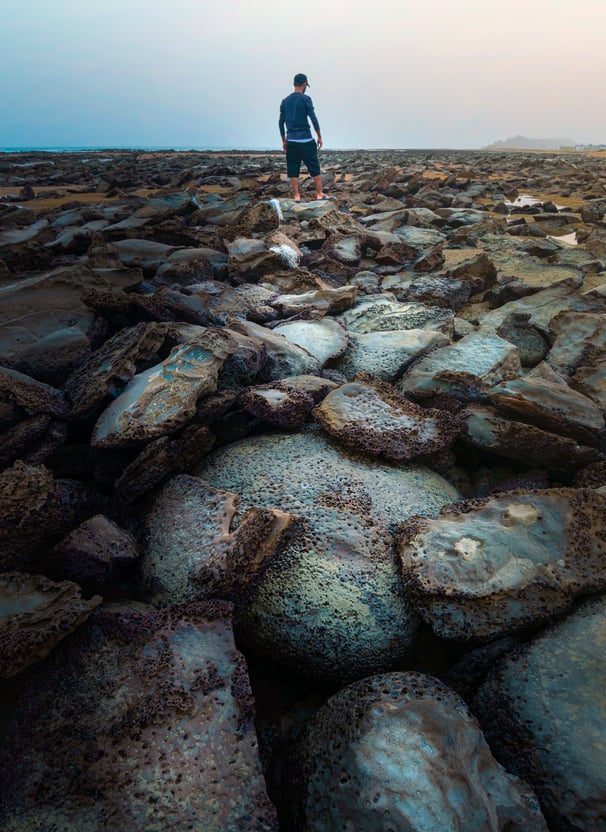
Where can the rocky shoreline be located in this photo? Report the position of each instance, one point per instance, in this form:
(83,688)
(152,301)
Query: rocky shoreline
(302,517)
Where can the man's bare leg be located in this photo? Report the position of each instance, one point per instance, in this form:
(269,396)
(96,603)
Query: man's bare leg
(295,188)
(318,184)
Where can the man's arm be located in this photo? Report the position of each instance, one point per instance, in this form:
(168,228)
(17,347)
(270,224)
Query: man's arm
(281,124)
(314,120)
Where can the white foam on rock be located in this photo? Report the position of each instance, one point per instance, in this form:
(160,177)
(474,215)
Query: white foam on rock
(287,254)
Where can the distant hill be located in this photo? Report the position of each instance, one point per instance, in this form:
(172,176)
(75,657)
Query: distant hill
(533,144)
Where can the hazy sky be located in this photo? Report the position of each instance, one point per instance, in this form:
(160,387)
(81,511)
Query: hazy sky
(384,73)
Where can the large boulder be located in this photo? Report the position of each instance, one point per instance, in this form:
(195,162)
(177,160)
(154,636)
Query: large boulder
(544,712)
(329,604)
(400,751)
(143,721)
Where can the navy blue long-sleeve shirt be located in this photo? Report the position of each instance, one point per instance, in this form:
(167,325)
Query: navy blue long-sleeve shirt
(295,109)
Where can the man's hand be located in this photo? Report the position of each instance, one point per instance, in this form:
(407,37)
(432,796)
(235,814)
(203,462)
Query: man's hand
(319,141)
(284,143)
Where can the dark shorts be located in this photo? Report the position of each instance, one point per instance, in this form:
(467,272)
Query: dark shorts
(297,152)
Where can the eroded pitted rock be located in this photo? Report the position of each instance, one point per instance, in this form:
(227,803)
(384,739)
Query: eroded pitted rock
(155,717)
(369,415)
(376,314)
(578,337)
(33,395)
(400,751)
(35,614)
(162,457)
(465,369)
(543,306)
(284,358)
(320,301)
(189,550)
(279,406)
(330,603)
(163,398)
(36,511)
(388,353)
(543,709)
(493,566)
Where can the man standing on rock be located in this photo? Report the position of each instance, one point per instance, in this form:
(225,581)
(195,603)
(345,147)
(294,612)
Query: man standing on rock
(297,141)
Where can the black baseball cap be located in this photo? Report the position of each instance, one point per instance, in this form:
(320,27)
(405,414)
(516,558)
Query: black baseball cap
(300,78)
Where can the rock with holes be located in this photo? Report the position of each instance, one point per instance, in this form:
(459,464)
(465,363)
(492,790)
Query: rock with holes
(282,407)
(492,566)
(389,353)
(329,604)
(578,338)
(36,511)
(143,721)
(34,396)
(35,614)
(284,358)
(369,415)
(376,314)
(163,398)
(465,369)
(543,709)
(113,364)
(400,751)
(322,301)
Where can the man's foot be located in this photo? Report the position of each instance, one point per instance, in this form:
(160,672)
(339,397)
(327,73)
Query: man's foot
(323,198)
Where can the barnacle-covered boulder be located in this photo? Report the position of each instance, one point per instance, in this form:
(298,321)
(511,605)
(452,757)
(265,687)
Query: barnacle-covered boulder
(143,721)
(35,614)
(492,566)
(465,369)
(400,751)
(371,416)
(543,709)
(163,398)
(329,603)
